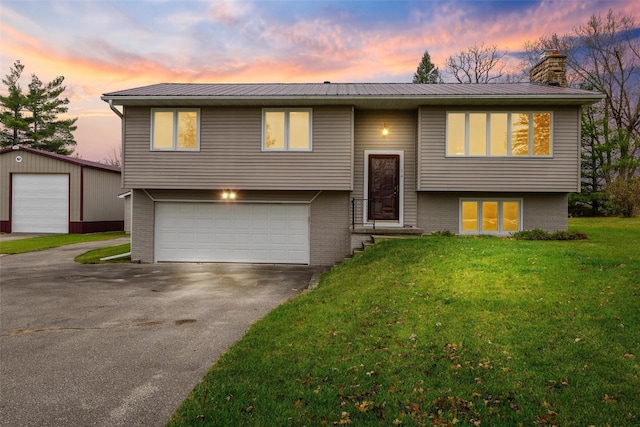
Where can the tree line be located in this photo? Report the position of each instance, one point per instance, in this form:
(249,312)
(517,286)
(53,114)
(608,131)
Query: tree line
(602,55)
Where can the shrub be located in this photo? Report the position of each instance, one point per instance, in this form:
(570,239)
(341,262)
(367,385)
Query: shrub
(625,194)
(535,234)
(538,234)
(443,233)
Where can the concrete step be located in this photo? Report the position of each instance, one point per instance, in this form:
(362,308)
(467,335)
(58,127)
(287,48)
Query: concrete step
(378,238)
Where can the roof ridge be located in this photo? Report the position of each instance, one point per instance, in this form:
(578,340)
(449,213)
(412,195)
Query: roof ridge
(74,160)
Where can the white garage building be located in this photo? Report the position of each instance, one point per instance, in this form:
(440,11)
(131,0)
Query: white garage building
(43,192)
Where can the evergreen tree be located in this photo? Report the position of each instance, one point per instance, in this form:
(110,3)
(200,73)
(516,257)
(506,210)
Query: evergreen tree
(31,119)
(427,72)
(14,125)
(46,132)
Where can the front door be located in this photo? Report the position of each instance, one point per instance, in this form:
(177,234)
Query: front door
(384,187)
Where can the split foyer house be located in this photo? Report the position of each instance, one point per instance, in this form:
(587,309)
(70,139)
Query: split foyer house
(302,173)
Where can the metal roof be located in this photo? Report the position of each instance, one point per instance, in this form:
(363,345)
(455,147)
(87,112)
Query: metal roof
(365,95)
(73,160)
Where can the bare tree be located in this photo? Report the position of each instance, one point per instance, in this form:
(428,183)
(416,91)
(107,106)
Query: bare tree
(604,55)
(114,158)
(477,64)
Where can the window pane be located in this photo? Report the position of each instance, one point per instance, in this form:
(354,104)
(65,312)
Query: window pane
(498,123)
(469,216)
(489,216)
(541,134)
(162,130)
(520,134)
(478,134)
(510,216)
(274,130)
(299,130)
(455,134)
(187,129)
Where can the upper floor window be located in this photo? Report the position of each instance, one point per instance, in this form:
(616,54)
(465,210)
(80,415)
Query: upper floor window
(498,134)
(286,129)
(175,129)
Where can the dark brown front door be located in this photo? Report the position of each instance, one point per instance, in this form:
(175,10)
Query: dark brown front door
(384,187)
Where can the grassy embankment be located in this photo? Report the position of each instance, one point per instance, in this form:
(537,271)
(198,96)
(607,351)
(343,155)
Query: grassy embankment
(446,330)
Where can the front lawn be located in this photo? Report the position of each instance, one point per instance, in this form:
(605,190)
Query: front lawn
(444,331)
(53,241)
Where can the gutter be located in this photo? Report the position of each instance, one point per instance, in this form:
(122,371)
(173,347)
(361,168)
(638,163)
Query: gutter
(114,109)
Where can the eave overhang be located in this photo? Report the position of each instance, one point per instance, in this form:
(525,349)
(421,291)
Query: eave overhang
(364,102)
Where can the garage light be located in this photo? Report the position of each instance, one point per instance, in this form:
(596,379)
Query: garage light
(228,195)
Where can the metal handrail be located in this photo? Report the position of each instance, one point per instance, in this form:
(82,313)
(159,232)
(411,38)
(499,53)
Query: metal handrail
(358,205)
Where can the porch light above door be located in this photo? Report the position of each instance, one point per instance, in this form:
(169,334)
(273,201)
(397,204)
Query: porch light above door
(385,130)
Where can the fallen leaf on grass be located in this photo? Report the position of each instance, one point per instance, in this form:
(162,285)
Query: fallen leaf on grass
(344,419)
(363,406)
(609,399)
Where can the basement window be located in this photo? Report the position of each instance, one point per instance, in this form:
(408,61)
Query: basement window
(490,216)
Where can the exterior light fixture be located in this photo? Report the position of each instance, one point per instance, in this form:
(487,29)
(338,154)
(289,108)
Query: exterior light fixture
(228,195)
(385,130)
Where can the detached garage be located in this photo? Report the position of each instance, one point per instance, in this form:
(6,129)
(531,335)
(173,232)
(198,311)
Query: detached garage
(43,192)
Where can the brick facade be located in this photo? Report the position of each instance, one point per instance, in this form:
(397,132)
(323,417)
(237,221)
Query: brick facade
(329,228)
(440,211)
(142,227)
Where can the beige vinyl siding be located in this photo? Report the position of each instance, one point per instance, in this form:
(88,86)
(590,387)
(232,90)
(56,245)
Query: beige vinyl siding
(402,136)
(34,163)
(101,190)
(242,196)
(560,173)
(231,154)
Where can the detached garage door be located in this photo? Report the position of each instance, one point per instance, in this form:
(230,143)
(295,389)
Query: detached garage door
(220,232)
(40,203)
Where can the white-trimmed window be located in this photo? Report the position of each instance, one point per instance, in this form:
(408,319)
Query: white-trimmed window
(490,216)
(286,129)
(498,134)
(175,129)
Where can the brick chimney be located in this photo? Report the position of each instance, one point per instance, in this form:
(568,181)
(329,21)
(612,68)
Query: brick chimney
(551,70)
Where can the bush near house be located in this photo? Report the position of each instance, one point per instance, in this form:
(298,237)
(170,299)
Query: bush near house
(538,234)
(444,331)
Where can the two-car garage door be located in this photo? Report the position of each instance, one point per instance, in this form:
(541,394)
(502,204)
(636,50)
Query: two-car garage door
(235,232)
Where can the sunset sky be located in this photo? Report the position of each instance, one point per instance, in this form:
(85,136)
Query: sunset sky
(109,45)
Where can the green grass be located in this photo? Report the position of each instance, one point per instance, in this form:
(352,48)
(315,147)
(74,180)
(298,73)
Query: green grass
(94,256)
(443,331)
(53,241)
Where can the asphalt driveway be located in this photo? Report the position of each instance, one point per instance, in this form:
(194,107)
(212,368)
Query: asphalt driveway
(120,344)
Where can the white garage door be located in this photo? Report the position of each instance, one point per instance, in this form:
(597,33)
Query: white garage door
(40,203)
(220,232)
